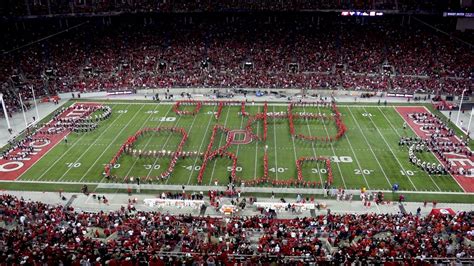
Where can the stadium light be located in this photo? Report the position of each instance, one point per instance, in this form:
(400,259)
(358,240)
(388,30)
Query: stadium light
(469,124)
(36,106)
(23,110)
(5,111)
(459,110)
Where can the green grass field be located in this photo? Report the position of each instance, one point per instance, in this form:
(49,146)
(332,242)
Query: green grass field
(367,156)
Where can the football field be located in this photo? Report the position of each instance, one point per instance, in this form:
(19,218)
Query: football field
(368,155)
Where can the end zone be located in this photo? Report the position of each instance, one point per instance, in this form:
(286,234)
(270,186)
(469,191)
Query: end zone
(466,182)
(12,168)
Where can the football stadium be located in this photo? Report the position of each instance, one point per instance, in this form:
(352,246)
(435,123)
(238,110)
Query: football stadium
(260,132)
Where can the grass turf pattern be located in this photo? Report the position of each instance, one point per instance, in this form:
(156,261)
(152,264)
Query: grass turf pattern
(367,156)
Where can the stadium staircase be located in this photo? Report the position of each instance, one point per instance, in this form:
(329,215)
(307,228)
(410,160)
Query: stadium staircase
(402,208)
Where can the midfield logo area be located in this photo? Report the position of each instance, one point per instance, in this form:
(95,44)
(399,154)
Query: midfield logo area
(21,155)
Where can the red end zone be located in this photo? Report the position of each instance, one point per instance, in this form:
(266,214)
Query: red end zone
(12,168)
(455,160)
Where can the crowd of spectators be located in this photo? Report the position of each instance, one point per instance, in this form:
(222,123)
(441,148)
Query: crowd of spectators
(56,7)
(34,232)
(241,52)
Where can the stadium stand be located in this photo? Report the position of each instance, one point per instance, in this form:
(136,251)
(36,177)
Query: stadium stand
(65,46)
(246,52)
(58,7)
(34,232)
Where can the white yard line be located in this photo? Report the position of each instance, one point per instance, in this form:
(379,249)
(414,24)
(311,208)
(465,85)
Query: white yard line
(314,150)
(189,132)
(238,146)
(396,132)
(334,152)
(256,147)
(115,119)
(259,103)
(358,163)
(85,152)
(220,140)
(162,148)
(57,143)
(245,189)
(294,147)
(50,149)
(370,147)
(393,153)
(355,157)
(148,142)
(427,110)
(274,141)
(106,149)
(200,146)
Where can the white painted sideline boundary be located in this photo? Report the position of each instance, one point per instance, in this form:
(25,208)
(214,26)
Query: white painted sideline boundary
(271,103)
(245,189)
(223,188)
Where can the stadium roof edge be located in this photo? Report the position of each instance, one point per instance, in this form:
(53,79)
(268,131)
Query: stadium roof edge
(118,13)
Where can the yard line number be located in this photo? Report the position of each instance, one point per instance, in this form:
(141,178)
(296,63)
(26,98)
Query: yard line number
(408,172)
(278,169)
(167,119)
(341,159)
(190,167)
(152,112)
(356,171)
(319,171)
(237,169)
(73,165)
(115,166)
(152,166)
(163,119)
(363,171)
